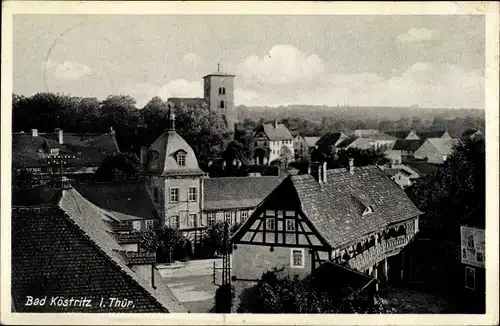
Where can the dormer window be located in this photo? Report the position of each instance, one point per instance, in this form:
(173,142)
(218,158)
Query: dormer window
(181,159)
(54,151)
(368,210)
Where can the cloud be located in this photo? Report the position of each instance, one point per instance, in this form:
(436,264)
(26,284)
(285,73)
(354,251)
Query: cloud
(67,70)
(419,36)
(191,60)
(282,65)
(143,92)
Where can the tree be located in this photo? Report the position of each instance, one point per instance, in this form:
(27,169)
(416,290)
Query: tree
(166,242)
(362,157)
(212,240)
(118,167)
(202,129)
(454,192)
(23,179)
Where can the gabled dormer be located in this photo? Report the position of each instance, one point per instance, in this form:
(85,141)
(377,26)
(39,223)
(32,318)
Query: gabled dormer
(368,210)
(180,157)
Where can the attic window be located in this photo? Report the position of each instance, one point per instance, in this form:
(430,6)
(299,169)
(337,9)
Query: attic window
(181,159)
(368,210)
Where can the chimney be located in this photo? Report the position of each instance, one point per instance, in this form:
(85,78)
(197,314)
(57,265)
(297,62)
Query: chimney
(223,165)
(309,168)
(111,130)
(144,151)
(275,123)
(209,164)
(320,174)
(234,162)
(34,132)
(59,133)
(324,170)
(238,163)
(351,165)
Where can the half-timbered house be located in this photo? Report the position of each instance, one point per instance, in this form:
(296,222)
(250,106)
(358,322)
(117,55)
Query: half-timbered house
(357,217)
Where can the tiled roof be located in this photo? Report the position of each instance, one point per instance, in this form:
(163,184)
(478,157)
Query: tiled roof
(346,142)
(193,102)
(89,149)
(334,207)
(68,251)
(311,141)
(407,144)
(125,200)
(444,145)
(237,192)
(278,132)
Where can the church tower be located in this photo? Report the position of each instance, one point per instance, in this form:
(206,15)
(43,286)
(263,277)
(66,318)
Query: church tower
(219,93)
(174,180)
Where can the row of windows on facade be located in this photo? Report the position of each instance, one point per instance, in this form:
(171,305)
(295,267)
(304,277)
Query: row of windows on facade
(175,193)
(222,90)
(285,142)
(136,225)
(174,220)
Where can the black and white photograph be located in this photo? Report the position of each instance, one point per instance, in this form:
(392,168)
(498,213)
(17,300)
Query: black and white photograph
(240,164)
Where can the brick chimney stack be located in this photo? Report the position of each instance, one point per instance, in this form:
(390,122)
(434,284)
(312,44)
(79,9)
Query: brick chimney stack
(275,123)
(34,132)
(323,172)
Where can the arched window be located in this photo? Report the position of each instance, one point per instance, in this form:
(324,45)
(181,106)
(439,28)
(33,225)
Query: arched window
(221,104)
(223,90)
(220,90)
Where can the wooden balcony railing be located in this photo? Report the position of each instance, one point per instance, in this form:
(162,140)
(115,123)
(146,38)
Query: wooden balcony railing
(378,252)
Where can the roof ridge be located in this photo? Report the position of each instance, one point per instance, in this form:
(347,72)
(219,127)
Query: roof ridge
(116,264)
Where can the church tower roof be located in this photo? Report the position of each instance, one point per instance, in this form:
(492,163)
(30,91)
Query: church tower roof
(170,154)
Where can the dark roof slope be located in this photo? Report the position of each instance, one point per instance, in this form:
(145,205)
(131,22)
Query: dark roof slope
(125,200)
(237,192)
(88,149)
(333,208)
(423,168)
(68,251)
(408,144)
(431,134)
(330,139)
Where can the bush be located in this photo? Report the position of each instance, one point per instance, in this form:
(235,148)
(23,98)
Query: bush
(224,296)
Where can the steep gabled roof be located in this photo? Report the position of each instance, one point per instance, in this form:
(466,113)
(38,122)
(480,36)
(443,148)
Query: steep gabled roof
(445,146)
(67,250)
(88,149)
(125,200)
(275,131)
(336,207)
(237,192)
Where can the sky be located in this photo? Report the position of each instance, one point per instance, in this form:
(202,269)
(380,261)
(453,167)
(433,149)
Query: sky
(366,60)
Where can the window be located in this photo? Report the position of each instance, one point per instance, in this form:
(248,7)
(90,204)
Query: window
(470,278)
(297,258)
(136,225)
(270,223)
(223,90)
(220,90)
(156,194)
(244,216)
(470,242)
(181,159)
(192,194)
(290,224)
(175,222)
(174,195)
(149,224)
(211,219)
(221,105)
(192,221)
(256,144)
(227,217)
